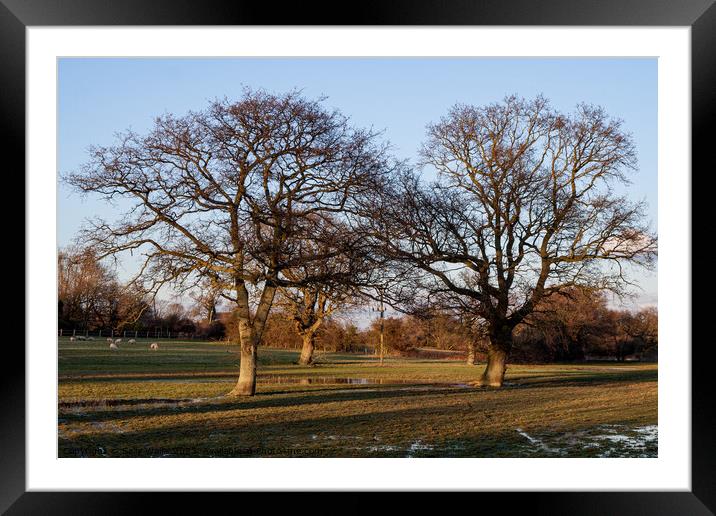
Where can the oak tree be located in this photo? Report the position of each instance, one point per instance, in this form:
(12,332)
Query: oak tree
(230,194)
(526,204)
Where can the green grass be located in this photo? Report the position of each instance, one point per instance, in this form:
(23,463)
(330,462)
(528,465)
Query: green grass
(141,403)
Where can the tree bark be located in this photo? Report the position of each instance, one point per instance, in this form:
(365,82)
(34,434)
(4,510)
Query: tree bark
(494,374)
(309,344)
(249,337)
(246,386)
(498,352)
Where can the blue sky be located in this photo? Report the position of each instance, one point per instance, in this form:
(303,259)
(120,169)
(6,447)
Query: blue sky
(98,97)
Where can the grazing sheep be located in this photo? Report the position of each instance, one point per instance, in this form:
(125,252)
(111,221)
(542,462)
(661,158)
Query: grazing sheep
(131,341)
(80,337)
(72,339)
(89,338)
(154,345)
(110,340)
(117,341)
(113,347)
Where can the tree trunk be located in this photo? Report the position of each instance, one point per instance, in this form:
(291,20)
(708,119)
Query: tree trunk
(250,332)
(309,343)
(471,355)
(382,343)
(498,352)
(494,373)
(246,386)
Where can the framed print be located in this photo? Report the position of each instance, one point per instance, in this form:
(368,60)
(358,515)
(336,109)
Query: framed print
(427,248)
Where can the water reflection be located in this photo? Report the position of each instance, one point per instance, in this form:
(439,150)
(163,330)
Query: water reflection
(328,380)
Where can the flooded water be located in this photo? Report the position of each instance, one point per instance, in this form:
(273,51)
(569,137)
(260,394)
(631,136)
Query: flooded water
(299,380)
(327,380)
(227,379)
(334,380)
(293,380)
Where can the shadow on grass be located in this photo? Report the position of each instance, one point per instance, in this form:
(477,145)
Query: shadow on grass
(113,402)
(274,399)
(338,436)
(171,376)
(356,435)
(293,398)
(586,377)
(574,376)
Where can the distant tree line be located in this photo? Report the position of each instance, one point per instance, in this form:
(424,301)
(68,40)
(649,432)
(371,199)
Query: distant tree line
(578,324)
(575,325)
(567,328)
(92,298)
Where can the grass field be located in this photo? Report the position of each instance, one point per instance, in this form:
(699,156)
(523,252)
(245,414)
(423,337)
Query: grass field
(169,403)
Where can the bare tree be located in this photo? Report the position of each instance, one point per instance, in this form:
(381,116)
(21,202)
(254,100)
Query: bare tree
(644,327)
(309,307)
(82,285)
(524,206)
(207,297)
(91,297)
(310,304)
(459,315)
(322,287)
(230,193)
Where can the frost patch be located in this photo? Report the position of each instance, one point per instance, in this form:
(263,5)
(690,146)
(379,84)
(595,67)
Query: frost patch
(600,441)
(538,442)
(418,446)
(637,442)
(382,447)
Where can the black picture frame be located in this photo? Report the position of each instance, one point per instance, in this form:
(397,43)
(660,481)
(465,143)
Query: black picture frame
(700,15)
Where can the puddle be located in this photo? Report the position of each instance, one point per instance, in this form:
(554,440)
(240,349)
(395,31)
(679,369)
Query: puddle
(292,380)
(313,380)
(334,380)
(325,380)
(226,379)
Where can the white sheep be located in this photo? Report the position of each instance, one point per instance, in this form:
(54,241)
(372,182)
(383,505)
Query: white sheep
(154,345)
(131,341)
(114,347)
(72,339)
(89,338)
(110,340)
(81,337)
(117,341)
